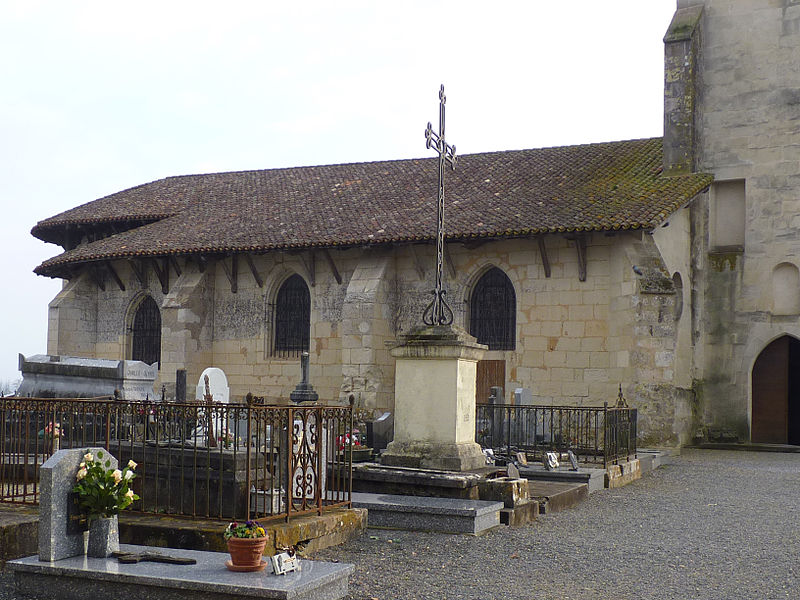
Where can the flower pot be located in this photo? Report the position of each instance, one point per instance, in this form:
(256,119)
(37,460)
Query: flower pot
(360,454)
(103,537)
(246,554)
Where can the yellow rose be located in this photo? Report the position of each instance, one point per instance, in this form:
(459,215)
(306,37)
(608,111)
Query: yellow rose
(117,475)
(88,457)
(129,494)
(132,465)
(81,474)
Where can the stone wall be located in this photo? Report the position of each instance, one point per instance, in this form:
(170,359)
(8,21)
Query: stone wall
(748,131)
(576,341)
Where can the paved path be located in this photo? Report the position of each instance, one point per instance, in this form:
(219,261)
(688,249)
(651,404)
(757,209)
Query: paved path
(711,525)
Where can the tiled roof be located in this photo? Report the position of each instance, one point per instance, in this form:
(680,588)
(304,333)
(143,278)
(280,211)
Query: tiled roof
(593,187)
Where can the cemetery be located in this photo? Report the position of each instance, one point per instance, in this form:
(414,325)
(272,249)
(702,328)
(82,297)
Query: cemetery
(214,459)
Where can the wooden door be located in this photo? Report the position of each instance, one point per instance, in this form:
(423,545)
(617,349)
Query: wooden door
(491,373)
(771,394)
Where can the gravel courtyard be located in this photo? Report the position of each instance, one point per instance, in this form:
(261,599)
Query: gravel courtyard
(708,525)
(711,524)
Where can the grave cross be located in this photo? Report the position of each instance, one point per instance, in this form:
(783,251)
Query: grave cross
(438,311)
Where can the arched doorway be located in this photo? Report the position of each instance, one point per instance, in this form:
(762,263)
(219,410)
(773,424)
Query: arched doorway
(776,393)
(146,332)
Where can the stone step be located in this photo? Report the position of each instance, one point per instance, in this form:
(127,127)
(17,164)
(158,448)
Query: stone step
(554,496)
(79,578)
(422,513)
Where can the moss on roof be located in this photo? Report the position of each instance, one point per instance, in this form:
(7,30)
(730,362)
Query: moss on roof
(592,187)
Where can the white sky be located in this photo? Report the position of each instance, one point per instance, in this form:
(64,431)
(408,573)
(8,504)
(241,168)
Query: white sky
(96,97)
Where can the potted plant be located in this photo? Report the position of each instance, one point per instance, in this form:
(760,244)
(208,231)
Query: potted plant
(102,491)
(352,443)
(246,543)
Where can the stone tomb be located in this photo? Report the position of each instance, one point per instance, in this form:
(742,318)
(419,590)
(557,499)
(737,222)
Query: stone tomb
(62,571)
(422,513)
(52,376)
(79,578)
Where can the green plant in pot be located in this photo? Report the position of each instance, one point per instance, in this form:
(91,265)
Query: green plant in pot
(246,543)
(102,491)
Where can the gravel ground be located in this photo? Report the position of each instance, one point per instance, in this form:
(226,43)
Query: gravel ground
(709,525)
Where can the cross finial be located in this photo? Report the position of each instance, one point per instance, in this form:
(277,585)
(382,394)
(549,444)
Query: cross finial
(438,312)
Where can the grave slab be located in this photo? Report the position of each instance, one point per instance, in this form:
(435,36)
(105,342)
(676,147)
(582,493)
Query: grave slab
(554,496)
(420,513)
(595,479)
(80,577)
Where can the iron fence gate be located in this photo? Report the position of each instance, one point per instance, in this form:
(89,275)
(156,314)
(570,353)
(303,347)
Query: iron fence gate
(201,460)
(601,435)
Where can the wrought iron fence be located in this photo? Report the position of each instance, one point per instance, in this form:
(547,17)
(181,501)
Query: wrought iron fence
(214,461)
(603,435)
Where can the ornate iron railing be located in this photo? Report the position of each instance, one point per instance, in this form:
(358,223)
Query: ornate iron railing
(603,435)
(213,461)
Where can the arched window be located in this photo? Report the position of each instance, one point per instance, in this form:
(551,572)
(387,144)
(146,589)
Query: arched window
(292,317)
(493,311)
(146,332)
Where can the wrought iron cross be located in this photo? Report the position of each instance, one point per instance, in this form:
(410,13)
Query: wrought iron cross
(438,311)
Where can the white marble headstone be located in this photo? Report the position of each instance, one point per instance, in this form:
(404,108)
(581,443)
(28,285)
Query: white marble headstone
(56,480)
(217,384)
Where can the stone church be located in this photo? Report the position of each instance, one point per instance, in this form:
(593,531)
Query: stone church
(666,266)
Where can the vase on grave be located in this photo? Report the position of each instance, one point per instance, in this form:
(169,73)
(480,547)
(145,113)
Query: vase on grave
(246,554)
(103,537)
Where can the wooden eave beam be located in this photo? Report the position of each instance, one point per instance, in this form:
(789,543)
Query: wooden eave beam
(173,261)
(162,272)
(97,274)
(543,253)
(311,267)
(254,271)
(115,276)
(332,265)
(139,270)
(580,246)
(232,273)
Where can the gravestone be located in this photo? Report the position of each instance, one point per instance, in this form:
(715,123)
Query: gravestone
(60,533)
(220,393)
(380,431)
(304,392)
(523,397)
(217,385)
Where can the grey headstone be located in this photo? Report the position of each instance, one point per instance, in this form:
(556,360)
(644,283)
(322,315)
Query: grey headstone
(56,480)
(180,385)
(523,397)
(381,431)
(513,471)
(573,460)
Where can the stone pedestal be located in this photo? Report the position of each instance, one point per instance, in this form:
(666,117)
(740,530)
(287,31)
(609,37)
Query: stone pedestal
(434,426)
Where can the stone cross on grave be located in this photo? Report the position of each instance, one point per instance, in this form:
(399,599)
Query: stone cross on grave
(438,312)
